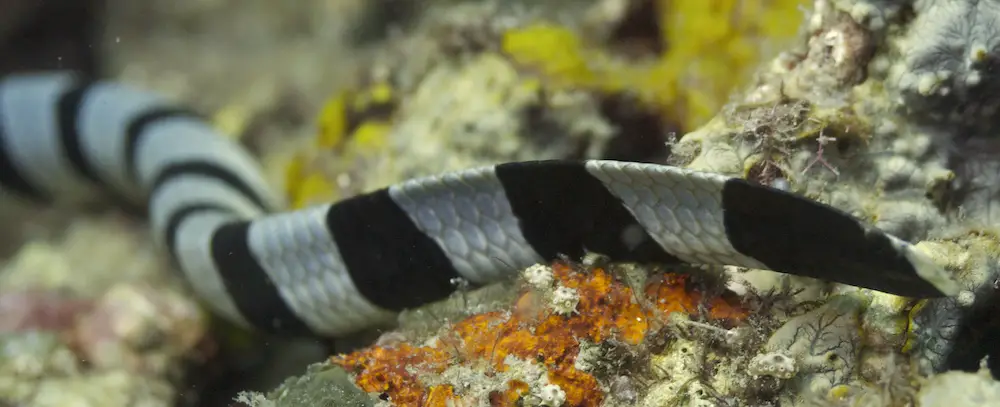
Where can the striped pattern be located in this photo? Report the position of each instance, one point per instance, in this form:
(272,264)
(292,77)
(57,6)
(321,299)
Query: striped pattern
(564,210)
(335,269)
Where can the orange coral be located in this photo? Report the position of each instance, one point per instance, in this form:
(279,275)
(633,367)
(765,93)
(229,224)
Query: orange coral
(672,294)
(389,370)
(607,309)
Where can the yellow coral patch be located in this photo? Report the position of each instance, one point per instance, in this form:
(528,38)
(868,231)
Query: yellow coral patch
(553,51)
(352,124)
(911,334)
(712,48)
(371,136)
(441,396)
(332,122)
(232,120)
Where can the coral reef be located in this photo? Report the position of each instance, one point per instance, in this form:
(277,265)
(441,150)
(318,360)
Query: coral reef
(522,86)
(948,55)
(121,337)
(848,116)
(534,354)
(960,389)
(493,115)
(711,48)
(815,101)
(823,343)
(883,108)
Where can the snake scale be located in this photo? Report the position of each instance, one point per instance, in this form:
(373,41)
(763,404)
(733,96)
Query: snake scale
(335,269)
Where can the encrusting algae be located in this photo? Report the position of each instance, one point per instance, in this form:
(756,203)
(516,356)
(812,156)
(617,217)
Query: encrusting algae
(501,342)
(710,48)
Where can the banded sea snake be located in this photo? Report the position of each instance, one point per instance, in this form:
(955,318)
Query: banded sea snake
(338,268)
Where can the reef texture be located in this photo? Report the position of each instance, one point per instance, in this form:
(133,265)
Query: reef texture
(122,336)
(525,82)
(883,108)
(873,109)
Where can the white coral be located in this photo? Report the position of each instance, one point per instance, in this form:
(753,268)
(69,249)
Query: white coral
(539,276)
(775,364)
(960,389)
(565,300)
(551,395)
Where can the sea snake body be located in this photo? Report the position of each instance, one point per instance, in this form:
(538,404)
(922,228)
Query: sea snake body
(335,269)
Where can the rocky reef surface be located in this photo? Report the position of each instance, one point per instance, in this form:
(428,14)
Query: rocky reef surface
(883,108)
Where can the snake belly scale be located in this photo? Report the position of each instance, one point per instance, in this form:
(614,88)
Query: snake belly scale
(335,269)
